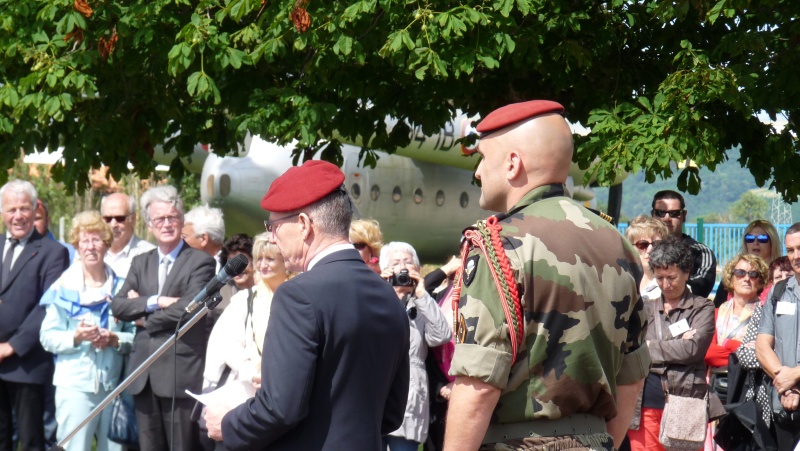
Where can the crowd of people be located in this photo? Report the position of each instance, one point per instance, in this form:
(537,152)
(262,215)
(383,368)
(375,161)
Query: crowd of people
(696,344)
(585,349)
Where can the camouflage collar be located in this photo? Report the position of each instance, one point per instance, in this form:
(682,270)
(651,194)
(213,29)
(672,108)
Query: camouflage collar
(539,193)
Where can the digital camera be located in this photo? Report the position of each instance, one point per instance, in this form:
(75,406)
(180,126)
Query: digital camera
(401,279)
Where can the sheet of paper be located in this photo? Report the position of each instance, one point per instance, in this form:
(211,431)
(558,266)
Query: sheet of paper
(231,394)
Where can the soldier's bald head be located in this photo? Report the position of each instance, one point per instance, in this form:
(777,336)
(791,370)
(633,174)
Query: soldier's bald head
(530,144)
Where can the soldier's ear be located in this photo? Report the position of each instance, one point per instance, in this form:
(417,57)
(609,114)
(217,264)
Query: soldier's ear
(513,165)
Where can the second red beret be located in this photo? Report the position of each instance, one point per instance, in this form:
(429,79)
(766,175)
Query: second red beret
(516,112)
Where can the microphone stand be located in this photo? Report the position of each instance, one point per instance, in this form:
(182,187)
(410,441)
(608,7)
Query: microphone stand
(210,305)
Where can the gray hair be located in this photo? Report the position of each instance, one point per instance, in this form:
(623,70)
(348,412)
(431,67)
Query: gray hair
(19,188)
(163,193)
(206,220)
(332,214)
(397,246)
(671,251)
(131,203)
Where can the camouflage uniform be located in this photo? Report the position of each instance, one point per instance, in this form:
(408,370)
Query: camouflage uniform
(577,279)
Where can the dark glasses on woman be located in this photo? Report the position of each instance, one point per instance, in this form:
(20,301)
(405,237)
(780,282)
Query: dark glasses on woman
(360,246)
(741,273)
(750,238)
(642,245)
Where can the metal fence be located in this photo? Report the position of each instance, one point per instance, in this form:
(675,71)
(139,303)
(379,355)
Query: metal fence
(725,240)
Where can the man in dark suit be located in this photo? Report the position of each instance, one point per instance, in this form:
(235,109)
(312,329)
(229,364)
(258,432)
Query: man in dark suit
(30,264)
(160,284)
(335,362)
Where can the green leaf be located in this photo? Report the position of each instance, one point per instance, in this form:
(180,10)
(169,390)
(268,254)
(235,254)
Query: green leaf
(344,45)
(192,83)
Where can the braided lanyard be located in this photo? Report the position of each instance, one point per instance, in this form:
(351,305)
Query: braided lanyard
(487,238)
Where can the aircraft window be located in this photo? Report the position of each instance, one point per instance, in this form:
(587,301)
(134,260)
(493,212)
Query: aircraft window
(210,186)
(418,195)
(440,198)
(397,194)
(224,185)
(355,190)
(375,192)
(464,200)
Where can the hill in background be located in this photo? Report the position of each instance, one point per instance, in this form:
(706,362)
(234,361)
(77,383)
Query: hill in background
(719,190)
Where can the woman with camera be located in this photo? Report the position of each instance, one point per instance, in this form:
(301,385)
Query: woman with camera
(400,267)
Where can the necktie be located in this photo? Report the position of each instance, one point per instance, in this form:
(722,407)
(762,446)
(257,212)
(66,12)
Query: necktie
(163,270)
(12,243)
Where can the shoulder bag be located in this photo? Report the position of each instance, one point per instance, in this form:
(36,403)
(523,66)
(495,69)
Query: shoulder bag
(683,424)
(123,428)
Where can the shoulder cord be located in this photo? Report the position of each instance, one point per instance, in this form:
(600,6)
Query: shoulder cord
(487,239)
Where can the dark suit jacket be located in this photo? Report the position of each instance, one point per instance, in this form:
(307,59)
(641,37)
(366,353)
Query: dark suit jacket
(335,364)
(39,265)
(190,272)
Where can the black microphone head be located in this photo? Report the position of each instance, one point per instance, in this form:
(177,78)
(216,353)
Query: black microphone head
(237,265)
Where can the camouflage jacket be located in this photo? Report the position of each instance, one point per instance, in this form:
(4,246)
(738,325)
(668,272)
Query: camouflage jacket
(578,280)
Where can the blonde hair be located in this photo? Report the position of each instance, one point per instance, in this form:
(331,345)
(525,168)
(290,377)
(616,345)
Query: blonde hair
(645,225)
(756,262)
(89,222)
(263,248)
(772,232)
(367,231)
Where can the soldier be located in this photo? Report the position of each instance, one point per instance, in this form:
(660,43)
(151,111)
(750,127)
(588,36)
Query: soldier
(549,338)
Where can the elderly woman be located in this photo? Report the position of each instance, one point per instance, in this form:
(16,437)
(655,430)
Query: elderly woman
(234,346)
(680,326)
(744,277)
(761,239)
(644,232)
(88,342)
(366,237)
(400,266)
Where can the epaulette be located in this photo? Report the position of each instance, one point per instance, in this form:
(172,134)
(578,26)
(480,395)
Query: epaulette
(605,216)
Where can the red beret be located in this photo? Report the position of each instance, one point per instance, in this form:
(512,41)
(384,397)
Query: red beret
(516,112)
(302,185)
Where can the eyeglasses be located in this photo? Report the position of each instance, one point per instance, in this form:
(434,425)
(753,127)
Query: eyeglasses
(158,222)
(741,273)
(120,219)
(642,245)
(750,238)
(360,246)
(671,213)
(269,225)
(96,242)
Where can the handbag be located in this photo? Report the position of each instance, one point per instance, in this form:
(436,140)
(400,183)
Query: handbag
(123,428)
(683,423)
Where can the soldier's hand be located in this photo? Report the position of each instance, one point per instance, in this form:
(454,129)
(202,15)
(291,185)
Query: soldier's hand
(213,416)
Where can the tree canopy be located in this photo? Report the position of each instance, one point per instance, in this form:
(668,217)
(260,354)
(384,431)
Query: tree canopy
(657,81)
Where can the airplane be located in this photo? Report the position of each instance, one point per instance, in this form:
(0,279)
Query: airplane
(424,194)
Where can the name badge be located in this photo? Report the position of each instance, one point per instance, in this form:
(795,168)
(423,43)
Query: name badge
(785,308)
(679,327)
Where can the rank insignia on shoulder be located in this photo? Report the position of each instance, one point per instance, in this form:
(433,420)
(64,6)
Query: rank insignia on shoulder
(461,329)
(470,269)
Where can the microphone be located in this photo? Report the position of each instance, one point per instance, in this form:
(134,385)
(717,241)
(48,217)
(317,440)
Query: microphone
(233,268)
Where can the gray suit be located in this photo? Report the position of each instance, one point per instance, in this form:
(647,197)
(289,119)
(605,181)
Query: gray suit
(152,391)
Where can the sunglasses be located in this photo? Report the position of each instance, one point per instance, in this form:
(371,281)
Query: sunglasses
(750,238)
(642,245)
(741,273)
(360,246)
(671,213)
(120,219)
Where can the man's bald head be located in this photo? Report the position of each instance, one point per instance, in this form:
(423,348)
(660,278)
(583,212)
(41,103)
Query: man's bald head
(522,156)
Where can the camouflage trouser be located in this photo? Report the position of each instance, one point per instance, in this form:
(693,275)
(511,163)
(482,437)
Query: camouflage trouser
(593,442)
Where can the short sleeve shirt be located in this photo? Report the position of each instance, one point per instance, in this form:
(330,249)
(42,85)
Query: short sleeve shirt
(578,280)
